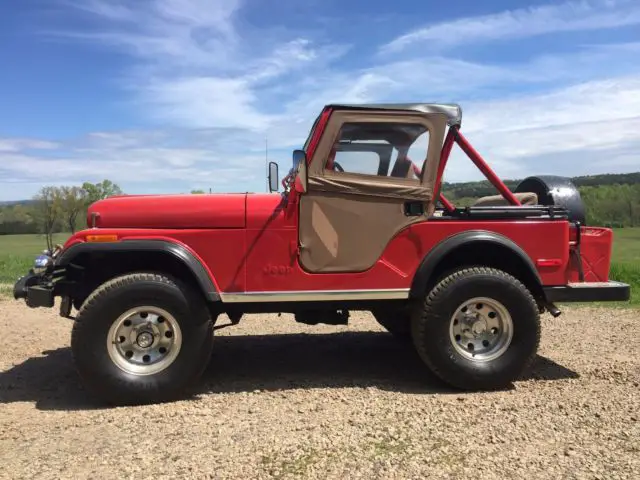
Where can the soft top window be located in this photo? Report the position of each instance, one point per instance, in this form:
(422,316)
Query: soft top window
(379,148)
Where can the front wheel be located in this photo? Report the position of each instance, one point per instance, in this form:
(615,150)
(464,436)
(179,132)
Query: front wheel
(141,338)
(478,329)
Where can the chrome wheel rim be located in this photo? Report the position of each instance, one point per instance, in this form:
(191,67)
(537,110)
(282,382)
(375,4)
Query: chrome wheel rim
(144,340)
(481,329)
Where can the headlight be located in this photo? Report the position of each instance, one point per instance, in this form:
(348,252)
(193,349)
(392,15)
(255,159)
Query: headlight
(42,263)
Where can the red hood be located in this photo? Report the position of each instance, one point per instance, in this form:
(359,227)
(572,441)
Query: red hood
(225,210)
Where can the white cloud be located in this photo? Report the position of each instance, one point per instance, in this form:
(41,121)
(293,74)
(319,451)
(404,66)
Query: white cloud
(583,15)
(188,32)
(18,144)
(577,130)
(214,91)
(585,128)
(610,100)
(201,102)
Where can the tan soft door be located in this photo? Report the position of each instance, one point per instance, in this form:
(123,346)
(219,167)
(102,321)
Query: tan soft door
(347,218)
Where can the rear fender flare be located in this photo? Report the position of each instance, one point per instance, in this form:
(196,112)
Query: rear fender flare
(176,250)
(431,261)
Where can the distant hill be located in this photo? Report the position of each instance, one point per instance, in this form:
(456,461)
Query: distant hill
(482,188)
(11,203)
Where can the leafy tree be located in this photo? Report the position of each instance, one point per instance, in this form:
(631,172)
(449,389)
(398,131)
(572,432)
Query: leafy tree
(16,219)
(48,209)
(73,201)
(611,200)
(99,191)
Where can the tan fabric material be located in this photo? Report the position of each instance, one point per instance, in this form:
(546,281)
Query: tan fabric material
(348,219)
(526,198)
(356,184)
(436,124)
(347,233)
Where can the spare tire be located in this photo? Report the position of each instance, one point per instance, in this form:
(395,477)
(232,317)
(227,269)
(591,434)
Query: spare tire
(557,191)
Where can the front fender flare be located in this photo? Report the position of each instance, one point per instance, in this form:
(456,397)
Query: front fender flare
(178,251)
(474,237)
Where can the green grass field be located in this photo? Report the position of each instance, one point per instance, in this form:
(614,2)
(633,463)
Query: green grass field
(625,260)
(18,251)
(626,245)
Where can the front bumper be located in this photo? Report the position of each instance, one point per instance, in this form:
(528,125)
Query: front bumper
(35,290)
(589,292)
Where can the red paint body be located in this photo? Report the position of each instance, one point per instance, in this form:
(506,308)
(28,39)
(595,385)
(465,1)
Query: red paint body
(254,248)
(248,242)
(177,211)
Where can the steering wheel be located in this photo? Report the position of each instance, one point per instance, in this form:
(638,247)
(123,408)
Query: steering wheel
(337,166)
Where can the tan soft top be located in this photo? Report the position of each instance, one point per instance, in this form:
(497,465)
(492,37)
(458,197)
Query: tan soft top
(390,187)
(452,111)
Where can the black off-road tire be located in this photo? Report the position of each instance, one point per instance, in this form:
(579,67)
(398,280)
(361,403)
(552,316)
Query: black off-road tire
(398,324)
(103,377)
(433,340)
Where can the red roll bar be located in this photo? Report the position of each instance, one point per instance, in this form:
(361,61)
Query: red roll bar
(454,135)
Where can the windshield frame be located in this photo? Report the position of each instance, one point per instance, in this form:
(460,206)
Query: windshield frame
(311,132)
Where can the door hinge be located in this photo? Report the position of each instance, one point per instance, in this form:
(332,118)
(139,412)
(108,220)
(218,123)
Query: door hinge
(296,248)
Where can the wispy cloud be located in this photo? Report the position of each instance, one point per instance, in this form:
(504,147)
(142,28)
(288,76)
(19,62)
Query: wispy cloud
(582,129)
(189,32)
(570,16)
(213,87)
(194,68)
(19,144)
(138,160)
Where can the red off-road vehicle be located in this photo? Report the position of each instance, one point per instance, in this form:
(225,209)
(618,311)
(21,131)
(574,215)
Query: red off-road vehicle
(361,225)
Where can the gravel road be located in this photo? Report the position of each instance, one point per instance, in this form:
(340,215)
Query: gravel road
(281,400)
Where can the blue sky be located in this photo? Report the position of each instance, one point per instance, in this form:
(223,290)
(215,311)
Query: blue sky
(172,95)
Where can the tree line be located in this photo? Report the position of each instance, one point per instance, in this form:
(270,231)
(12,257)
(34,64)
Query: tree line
(54,209)
(611,200)
(484,187)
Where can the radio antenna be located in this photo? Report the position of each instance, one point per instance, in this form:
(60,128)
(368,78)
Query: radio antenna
(266,161)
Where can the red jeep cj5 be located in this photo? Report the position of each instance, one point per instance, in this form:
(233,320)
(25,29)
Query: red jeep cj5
(361,225)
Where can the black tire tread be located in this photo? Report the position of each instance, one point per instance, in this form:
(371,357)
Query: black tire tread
(431,302)
(83,322)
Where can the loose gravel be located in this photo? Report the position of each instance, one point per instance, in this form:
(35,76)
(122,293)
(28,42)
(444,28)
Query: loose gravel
(282,400)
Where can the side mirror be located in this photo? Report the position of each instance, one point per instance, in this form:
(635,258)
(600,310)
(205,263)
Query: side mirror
(300,165)
(273,177)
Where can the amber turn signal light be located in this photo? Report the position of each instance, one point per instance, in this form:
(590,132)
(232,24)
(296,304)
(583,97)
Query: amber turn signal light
(102,238)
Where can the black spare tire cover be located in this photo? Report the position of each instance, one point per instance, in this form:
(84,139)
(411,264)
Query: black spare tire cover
(558,191)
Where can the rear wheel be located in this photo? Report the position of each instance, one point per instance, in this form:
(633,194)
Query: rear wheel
(478,329)
(141,338)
